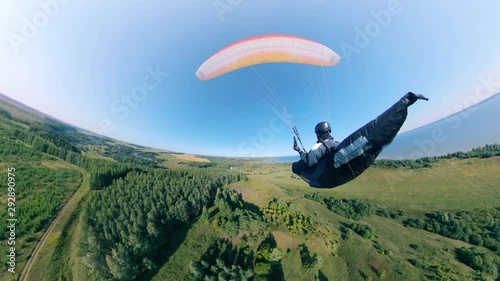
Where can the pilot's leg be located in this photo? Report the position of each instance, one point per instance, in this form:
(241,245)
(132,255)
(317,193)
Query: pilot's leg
(299,167)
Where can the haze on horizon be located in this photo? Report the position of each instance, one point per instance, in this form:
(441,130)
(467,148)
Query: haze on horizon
(80,61)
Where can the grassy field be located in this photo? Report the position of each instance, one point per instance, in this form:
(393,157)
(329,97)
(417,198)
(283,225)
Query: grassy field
(466,185)
(190,157)
(451,185)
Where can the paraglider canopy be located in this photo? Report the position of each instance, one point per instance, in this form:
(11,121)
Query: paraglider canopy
(266,49)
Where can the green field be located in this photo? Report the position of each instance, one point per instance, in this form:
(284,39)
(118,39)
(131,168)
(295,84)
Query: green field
(451,185)
(469,184)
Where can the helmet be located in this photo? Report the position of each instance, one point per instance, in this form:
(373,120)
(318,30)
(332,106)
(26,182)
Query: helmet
(322,128)
(323,131)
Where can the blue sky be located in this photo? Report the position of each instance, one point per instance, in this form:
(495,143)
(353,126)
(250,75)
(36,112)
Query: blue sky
(77,61)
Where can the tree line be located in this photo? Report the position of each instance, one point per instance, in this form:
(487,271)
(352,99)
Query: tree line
(480,228)
(489,150)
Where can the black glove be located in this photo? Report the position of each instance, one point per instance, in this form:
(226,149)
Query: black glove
(412,98)
(295,146)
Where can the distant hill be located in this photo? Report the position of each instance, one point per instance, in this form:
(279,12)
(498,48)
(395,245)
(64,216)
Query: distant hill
(475,126)
(21,111)
(27,115)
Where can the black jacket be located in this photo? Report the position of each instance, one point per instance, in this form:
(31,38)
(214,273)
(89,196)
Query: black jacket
(319,157)
(356,153)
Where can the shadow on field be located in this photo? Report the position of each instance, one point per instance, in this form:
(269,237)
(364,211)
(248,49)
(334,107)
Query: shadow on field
(363,274)
(253,208)
(162,254)
(321,276)
(276,267)
(345,230)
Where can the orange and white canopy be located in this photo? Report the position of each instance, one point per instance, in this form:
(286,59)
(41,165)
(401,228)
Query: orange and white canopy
(266,49)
